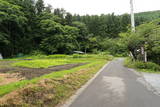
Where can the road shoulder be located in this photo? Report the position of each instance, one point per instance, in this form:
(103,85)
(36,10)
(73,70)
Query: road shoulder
(79,91)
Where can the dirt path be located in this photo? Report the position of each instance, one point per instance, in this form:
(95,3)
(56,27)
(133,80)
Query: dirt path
(116,86)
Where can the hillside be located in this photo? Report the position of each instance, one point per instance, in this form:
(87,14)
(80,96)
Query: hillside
(148,16)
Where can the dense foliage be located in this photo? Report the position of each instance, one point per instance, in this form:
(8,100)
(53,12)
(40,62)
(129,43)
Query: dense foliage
(147,36)
(29,25)
(146,16)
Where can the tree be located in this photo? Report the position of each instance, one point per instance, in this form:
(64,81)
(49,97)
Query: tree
(39,6)
(59,12)
(12,20)
(83,35)
(68,19)
(48,8)
(145,38)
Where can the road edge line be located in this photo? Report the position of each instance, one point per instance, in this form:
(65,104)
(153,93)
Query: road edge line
(83,87)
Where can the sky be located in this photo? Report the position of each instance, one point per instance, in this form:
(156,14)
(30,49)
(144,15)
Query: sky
(97,7)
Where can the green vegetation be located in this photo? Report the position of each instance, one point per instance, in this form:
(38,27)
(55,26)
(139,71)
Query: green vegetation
(27,25)
(43,63)
(33,35)
(142,66)
(146,39)
(143,17)
(59,86)
(92,61)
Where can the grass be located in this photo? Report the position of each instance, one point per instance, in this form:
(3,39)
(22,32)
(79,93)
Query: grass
(43,63)
(13,86)
(63,84)
(148,67)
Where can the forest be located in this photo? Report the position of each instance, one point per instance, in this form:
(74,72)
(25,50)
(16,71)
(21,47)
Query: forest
(49,54)
(28,26)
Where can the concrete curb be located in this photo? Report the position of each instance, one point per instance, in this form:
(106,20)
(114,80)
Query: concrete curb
(76,95)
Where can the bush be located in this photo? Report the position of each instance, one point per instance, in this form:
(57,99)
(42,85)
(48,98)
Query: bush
(140,65)
(148,65)
(152,66)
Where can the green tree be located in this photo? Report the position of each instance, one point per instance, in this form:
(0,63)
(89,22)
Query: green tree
(68,19)
(40,6)
(12,21)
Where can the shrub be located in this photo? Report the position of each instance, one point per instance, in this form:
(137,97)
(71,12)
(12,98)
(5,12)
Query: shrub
(148,65)
(152,66)
(140,65)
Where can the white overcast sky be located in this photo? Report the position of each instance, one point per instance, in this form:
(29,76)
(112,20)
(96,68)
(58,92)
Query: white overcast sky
(98,7)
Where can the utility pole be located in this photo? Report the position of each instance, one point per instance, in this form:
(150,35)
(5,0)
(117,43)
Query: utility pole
(132,16)
(132,24)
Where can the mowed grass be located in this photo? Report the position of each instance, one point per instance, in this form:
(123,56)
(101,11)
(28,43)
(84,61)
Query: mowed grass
(44,63)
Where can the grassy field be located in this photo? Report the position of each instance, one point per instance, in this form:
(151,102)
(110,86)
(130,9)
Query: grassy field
(59,85)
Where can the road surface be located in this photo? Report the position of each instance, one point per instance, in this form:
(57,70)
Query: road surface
(117,86)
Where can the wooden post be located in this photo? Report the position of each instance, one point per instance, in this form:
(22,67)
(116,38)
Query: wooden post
(131,56)
(145,56)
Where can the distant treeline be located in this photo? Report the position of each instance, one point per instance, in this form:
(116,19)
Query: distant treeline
(29,25)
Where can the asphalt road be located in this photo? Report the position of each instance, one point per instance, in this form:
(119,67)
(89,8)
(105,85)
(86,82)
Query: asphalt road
(117,86)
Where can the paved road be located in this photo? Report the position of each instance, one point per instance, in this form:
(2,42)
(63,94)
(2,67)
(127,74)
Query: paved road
(116,86)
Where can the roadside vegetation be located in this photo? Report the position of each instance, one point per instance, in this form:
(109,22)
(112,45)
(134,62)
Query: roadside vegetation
(144,47)
(51,88)
(141,66)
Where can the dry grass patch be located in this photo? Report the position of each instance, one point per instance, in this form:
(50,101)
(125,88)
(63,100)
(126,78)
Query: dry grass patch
(6,78)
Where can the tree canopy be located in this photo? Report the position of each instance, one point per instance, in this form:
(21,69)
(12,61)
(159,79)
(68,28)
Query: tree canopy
(28,25)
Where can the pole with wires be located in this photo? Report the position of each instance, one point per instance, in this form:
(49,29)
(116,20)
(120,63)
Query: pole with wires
(132,25)
(132,17)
